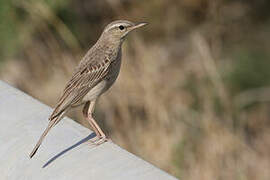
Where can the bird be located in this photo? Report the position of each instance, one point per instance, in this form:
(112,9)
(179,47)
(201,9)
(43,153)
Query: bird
(94,75)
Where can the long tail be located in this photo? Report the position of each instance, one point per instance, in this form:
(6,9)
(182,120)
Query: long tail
(52,123)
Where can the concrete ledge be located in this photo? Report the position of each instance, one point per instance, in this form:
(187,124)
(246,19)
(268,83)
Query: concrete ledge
(65,153)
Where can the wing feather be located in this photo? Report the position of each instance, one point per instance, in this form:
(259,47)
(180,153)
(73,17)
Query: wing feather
(82,81)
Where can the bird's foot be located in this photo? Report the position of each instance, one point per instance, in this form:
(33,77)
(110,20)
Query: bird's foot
(100,140)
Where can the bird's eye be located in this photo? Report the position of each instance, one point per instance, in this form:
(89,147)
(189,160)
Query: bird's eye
(121,27)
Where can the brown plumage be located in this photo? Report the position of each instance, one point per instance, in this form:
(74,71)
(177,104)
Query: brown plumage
(94,75)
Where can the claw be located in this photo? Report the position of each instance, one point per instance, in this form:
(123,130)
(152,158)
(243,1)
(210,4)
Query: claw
(100,140)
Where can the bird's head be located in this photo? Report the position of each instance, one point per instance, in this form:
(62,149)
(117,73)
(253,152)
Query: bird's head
(118,30)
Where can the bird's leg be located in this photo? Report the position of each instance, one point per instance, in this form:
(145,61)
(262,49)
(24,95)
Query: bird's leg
(85,114)
(88,111)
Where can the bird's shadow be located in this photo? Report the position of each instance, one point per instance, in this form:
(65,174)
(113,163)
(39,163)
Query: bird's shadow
(90,136)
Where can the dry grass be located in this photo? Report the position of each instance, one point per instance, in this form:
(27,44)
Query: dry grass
(171,104)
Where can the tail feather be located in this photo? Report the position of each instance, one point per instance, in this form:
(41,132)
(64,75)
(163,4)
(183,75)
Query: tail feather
(52,123)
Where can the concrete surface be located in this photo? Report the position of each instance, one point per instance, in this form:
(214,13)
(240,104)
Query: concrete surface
(65,153)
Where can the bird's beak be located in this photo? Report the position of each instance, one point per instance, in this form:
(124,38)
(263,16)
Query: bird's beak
(138,25)
(131,28)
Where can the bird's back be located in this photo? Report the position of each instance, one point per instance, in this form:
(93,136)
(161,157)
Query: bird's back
(101,62)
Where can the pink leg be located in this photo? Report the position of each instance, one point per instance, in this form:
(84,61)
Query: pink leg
(88,111)
(85,114)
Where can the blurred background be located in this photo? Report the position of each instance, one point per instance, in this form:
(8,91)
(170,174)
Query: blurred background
(194,89)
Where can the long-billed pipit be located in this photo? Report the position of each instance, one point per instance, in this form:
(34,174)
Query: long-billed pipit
(94,75)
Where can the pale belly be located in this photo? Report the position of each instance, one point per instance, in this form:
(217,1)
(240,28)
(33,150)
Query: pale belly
(96,91)
(105,84)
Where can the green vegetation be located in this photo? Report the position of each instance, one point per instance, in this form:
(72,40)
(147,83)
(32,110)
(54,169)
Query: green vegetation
(251,70)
